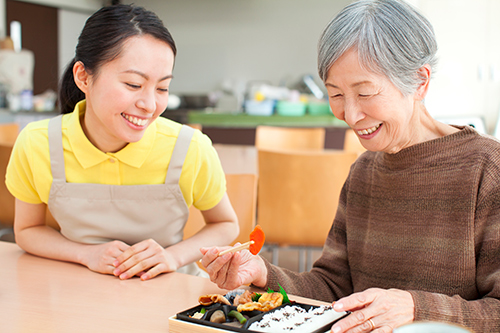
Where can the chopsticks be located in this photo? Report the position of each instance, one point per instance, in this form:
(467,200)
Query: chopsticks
(237,248)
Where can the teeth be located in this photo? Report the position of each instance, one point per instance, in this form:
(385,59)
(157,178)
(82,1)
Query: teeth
(134,120)
(369,130)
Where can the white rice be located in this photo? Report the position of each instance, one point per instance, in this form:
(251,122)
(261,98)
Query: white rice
(292,318)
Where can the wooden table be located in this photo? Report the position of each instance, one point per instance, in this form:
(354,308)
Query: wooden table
(42,295)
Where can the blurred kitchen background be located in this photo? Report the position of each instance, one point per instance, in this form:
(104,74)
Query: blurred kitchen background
(230,50)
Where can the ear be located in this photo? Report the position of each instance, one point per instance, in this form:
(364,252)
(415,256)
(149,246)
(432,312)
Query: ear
(81,77)
(424,73)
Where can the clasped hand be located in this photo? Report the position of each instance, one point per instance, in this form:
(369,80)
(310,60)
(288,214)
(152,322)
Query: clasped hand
(145,259)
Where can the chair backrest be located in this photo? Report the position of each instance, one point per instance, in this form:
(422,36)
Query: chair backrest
(6,199)
(242,192)
(8,133)
(196,126)
(351,142)
(290,138)
(298,194)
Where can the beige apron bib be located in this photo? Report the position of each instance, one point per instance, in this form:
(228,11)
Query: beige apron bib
(99,213)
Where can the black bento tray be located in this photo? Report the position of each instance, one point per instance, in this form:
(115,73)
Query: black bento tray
(253,316)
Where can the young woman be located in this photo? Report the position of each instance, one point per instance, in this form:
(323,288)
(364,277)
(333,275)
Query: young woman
(117,178)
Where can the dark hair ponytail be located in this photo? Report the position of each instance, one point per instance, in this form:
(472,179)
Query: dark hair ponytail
(101,41)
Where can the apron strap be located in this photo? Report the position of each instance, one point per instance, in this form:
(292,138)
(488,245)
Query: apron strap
(179,155)
(56,149)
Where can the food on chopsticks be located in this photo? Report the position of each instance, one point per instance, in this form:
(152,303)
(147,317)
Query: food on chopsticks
(257,238)
(213,298)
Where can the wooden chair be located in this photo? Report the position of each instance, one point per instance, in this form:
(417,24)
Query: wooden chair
(351,142)
(290,138)
(6,199)
(298,195)
(8,133)
(242,191)
(196,126)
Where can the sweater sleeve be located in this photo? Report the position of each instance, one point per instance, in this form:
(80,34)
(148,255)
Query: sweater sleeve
(483,313)
(330,277)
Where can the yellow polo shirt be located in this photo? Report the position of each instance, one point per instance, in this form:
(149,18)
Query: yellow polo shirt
(29,175)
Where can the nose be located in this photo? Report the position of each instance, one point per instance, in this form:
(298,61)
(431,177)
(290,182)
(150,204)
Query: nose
(352,112)
(147,101)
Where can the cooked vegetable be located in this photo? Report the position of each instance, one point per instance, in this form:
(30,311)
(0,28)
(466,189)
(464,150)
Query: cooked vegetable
(258,237)
(218,317)
(256,297)
(238,316)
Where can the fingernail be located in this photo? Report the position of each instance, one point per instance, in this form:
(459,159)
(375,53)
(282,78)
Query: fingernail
(115,263)
(123,276)
(214,251)
(338,306)
(116,272)
(226,256)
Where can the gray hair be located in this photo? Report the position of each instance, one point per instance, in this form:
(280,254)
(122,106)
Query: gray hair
(392,39)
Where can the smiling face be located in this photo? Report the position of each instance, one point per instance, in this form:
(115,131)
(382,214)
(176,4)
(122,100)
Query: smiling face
(372,106)
(127,94)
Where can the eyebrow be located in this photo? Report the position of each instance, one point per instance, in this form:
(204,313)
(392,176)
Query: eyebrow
(352,85)
(133,71)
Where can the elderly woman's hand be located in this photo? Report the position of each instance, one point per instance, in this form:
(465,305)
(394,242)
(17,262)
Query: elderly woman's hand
(375,310)
(232,270)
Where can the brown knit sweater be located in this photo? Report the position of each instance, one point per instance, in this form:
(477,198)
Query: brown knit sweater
(425,220)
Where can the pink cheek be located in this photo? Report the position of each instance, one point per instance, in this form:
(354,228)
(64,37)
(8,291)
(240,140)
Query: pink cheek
(338,114)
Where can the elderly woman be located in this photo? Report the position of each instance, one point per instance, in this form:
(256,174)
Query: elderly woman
(417,232)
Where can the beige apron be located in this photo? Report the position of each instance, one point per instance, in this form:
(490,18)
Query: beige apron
(99,213)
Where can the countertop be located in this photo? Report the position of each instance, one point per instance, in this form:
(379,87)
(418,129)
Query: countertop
(242,120)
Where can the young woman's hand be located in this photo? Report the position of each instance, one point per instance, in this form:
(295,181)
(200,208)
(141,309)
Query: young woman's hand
(232,270)
(377,310)
(100,258)
(145,259)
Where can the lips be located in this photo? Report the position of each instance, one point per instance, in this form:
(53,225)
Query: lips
(134,120)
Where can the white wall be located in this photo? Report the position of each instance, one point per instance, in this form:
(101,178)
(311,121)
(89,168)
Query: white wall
(276,41)
(242,41)
(467,81)
(70,25)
